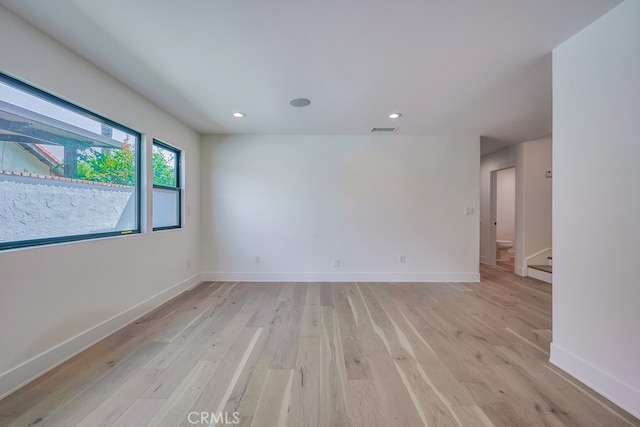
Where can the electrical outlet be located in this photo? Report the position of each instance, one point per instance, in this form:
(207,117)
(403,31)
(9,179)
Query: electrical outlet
(336,263)
(402,259)
(468,210)
(257,259)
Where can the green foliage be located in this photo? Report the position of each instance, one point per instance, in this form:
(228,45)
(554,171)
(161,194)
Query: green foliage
(164,172)
(117,166)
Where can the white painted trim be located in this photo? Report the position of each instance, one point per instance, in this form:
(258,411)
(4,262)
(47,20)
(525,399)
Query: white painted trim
(492,257)
(540,275)
(623,395)
(520,271)
(26,372)
(339,277)
(538,254)
(484,260)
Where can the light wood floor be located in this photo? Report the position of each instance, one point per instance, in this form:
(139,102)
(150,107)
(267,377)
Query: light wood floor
(322,354)
(506,266)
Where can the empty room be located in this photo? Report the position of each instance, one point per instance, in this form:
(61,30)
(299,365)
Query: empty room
(285,213)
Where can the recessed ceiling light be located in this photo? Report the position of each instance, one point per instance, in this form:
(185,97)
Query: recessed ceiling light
(394,115)
(299,102)
(239,115)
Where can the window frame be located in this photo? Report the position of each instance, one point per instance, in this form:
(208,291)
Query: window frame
(49,97)
(178,188)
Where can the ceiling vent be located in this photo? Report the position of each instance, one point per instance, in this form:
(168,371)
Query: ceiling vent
(383,130)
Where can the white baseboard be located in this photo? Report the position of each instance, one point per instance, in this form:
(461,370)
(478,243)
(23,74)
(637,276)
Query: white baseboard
(340,277)
(520,271)
(623,395)
(26,372)
(484,260)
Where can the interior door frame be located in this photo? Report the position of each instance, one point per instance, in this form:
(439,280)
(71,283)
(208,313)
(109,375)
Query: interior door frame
(493,215)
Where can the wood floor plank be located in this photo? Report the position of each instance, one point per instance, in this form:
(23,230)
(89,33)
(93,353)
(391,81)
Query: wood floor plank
(326,354)
(120,400)
(91,389)
(503,414)
(370,335)
(305,408)
(286,291)
(178,405)
(435,372)
(176,346)
(356,366)
(210,344)
(280,349)
(365,404)
(269,306)
(201,327)
(396,400)
(139,413)
(216,393)
(473,416)
(334,399)
(393,339)
(273,405)
(326,294)
(257,361)
(430,407)
(289,329)
(312,312)
(102,389)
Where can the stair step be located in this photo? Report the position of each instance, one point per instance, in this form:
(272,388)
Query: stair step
(540,272)
(546,268)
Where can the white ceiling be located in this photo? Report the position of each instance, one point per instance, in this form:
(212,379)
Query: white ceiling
(466,66)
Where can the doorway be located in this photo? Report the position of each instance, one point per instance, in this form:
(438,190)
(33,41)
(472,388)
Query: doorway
(503,217)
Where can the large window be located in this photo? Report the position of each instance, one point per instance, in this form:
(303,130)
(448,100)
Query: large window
(166,186)
(65,173)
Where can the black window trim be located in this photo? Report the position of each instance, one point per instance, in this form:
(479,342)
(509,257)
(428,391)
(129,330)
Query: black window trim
(28,88)
(177,188)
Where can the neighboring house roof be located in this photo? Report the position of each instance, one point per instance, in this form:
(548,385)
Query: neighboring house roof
(48,153)
(45,156)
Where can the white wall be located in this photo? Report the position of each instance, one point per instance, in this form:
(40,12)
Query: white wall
(506,204)
(535,203)
(596,291)
(300,202)
(58,299)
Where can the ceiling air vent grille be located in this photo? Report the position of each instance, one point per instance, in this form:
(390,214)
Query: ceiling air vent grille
(383,130)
